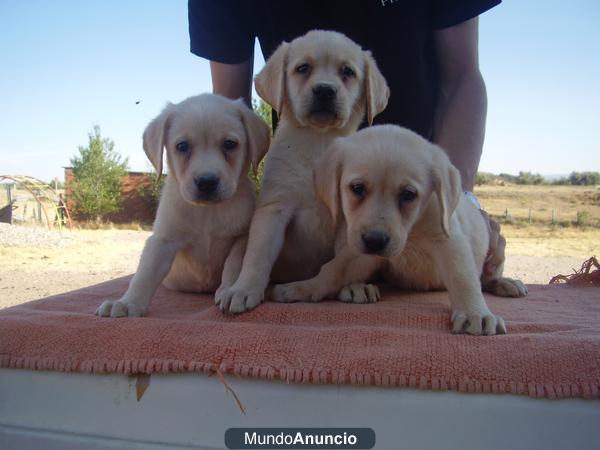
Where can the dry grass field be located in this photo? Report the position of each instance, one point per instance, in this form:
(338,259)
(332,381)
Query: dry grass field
(566,202)
(35,262)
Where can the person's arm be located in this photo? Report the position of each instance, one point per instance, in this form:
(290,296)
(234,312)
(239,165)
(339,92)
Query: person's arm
(460,115)
(233,80)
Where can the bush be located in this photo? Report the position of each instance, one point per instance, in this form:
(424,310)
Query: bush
(97,171)
(562,181)
(265,112)
(523,178)
(529,178)
(583,218)
(484,178)
(150,192)
(584,178)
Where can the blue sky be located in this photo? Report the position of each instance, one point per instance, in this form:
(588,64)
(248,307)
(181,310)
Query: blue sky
(68,65)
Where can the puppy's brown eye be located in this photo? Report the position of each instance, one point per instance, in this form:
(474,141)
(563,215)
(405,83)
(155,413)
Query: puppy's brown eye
(229,145)
(358,189)
(347,72)
(407,195)
(303,68)
(183,147)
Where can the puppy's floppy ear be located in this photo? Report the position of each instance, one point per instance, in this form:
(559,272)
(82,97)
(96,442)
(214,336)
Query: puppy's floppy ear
(258,135)
(446,185)
(270,83)
(376,89)
(154,138)
(326,178)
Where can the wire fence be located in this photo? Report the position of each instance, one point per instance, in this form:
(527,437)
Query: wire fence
(546,216)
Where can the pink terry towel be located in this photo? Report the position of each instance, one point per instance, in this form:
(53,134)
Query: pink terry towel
(552,349)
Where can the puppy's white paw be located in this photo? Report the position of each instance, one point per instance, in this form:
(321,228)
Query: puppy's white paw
(221,295)
(360,293)
(477,323)
(237,300)
(507,287)
(119,308)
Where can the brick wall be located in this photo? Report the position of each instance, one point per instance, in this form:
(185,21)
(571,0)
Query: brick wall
(135,208)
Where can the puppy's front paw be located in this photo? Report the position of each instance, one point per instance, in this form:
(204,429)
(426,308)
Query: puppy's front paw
(360,293)
(221,294)
(118,309)
(477,323)
(507,287)
(285,293)
(300,291)
(237,300)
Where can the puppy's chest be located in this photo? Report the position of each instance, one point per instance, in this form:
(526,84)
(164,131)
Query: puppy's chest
(308,244)
(312,221)
(207,227)
(197,267)
(209,249)
(201,259)
(413,269)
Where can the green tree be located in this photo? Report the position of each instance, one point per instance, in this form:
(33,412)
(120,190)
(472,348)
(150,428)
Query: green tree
(98,171)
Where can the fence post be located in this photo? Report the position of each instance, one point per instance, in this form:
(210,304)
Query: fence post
(529,216)
(553,216)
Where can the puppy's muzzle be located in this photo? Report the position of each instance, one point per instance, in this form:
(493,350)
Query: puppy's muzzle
(324,96)
(374,242)
(207,186)
(324,93)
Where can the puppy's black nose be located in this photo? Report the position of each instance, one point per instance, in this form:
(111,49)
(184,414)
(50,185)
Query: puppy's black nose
(207,184)
(324,92)
(375,241)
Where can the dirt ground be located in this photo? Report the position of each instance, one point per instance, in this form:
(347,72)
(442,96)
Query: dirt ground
(36,263)
(65,261)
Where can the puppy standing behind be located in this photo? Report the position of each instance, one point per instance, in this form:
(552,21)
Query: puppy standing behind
(321,84)
(405,215)
(207,202)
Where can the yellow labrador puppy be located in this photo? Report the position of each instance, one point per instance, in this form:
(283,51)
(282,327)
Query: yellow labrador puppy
(207,202)
(322,84)
(403,214)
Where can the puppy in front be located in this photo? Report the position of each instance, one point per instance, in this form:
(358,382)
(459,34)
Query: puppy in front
(322,85)
(403,214)
(205,209)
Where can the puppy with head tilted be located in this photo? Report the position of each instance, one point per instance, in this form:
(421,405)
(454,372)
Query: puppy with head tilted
(205,208)
(404,215)
(322,84)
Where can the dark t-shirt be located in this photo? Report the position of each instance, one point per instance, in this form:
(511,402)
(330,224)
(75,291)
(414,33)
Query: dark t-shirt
(399,33)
